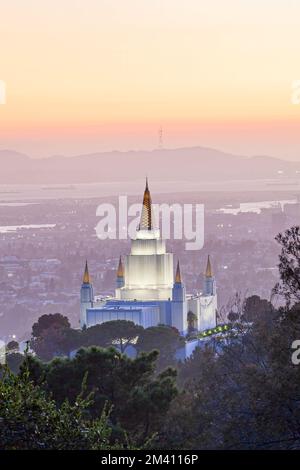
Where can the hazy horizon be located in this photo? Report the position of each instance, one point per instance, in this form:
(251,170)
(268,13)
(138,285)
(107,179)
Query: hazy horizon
(145,149)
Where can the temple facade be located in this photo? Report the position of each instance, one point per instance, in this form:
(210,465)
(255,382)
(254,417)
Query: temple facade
(147,291)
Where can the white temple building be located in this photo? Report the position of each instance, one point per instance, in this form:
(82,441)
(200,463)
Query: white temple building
(147,292)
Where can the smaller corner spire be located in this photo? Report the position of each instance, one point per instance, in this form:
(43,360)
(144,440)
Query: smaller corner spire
(208,272)
(86,276)
(120,270)
(178,274)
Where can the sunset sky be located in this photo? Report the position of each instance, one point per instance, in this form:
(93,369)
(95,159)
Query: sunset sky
(91,75)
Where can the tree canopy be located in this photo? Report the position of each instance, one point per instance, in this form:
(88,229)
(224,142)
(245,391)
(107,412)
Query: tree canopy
(139,398)
(30,419)
(163,338)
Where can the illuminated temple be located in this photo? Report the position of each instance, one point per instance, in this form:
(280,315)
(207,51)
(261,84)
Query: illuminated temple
(147,292)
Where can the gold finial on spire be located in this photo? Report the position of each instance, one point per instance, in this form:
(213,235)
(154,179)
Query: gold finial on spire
(208,272)
(86,276)
(178,275)
(147,215)
(120,270)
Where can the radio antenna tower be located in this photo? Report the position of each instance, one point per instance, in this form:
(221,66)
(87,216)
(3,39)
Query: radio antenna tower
(160,138)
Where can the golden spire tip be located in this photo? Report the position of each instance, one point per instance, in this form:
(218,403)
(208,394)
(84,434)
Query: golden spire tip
(147,215)
(178,275)
(120,270)
(208,272)
(86,276)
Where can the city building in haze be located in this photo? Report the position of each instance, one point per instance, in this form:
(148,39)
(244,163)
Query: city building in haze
(147,292)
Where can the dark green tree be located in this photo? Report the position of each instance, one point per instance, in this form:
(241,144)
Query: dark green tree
(139,399)
(14,361)
(12,346)
(289,265)
(50,343)
(119,333)
(255,307)
(192,322)
(32,420)
(48,321)
(52,336)
(163,338)
(247,396)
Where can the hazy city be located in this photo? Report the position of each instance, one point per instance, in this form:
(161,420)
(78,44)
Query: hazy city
(45,242)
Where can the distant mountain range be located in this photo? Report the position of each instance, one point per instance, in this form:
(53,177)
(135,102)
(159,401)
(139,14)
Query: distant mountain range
(190,164)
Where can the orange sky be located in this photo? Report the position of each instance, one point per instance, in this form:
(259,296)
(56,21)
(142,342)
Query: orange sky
(91,75)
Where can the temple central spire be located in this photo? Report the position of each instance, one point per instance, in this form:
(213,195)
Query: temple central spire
(120,270)
(178,275)
(86,275)
(147,220)
(208,271)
